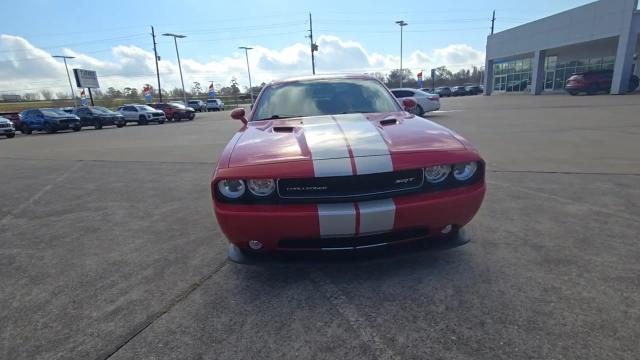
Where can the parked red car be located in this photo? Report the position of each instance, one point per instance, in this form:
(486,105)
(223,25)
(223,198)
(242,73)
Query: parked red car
(337,163)
(593,82)
(173,112)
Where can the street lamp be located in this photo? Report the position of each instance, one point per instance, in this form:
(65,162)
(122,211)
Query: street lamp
(246,54)
(176,36)
(73,94)
(402,24)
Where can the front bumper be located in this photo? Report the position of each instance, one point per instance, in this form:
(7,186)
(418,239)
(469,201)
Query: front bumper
(66,126)
(362,224)
(7,130)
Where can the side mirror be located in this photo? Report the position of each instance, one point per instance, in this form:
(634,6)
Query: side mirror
(238,114)
(409,104)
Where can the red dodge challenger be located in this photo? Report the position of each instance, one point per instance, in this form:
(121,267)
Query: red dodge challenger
(336,163)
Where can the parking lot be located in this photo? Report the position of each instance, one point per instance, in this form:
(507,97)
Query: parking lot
(109,249)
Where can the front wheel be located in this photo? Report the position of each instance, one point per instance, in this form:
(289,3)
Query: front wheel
(76,129)
(160,122)
(25,129)
(11,136)
(142,120)
(419,110)
(121,125)
(98,126)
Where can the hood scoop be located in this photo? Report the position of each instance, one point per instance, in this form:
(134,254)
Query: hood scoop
(387,122)
(283,129)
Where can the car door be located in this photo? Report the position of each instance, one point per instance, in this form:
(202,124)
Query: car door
(131,113)
(37,119)
(85,116)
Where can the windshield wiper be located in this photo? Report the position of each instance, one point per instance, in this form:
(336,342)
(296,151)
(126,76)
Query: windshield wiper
(273,117)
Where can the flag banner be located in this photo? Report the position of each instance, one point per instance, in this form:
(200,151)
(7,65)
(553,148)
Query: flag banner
(83,98)
(148,97)
(212,92)
(420,82)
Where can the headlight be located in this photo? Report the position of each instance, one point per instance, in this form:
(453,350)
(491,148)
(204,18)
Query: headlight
(231,189)
(437,174)
(464,171)
(262,187)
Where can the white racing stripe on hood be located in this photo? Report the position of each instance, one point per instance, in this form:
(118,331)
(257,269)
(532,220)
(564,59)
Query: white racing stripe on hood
(328,147)
(370,151)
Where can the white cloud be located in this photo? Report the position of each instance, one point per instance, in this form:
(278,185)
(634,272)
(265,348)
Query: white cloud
(26,67)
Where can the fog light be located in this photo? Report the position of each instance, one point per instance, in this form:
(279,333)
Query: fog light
(447,229)
(255,244)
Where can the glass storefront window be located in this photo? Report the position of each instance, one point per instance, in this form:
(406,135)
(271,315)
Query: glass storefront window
(512,76)
(556,73)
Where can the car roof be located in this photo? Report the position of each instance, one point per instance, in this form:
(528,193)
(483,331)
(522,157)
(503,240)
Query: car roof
(324,77)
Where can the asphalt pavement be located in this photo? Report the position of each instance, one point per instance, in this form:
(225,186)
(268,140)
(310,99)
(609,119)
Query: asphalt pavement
(109,250)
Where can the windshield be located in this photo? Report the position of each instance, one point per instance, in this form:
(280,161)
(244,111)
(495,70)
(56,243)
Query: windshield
(145,108)
(54,112)
(101,110)
(192,102)
(324,97)
(177,105)
(212,101)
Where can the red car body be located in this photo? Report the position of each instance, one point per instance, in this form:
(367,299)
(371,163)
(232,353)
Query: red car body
(172,112)
(389,149)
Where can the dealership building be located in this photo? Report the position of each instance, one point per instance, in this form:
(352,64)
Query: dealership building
(540,56)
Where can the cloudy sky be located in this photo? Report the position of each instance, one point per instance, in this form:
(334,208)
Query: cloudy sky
(114,39)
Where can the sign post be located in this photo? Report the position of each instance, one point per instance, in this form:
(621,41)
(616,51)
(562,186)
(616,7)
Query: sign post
(433,79)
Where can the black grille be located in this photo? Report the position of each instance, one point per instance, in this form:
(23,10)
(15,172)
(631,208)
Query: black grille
(5,125)
(64,121)
(345,243)
(350,186)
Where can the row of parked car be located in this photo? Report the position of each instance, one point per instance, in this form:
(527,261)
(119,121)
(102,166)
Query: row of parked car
(51,120)
(445,91)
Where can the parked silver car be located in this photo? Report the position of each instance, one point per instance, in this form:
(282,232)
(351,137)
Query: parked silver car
(426,101)
(198,105)
(6,128)
(215,105)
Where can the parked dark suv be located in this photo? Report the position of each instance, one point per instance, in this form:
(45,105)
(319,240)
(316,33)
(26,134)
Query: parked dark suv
(98,116)
(474,89)
(458,91)
(443,91)
(593,82)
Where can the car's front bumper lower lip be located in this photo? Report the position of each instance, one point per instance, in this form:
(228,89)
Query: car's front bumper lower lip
(278,227)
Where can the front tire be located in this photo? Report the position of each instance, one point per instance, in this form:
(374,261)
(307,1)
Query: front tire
(121,125)
(419,110)
(11,136)
(142,120)
(98,126)
(25,129)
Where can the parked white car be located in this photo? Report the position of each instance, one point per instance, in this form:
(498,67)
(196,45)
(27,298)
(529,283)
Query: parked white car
(6,128)
(426,101)
(215,105)
(141,114)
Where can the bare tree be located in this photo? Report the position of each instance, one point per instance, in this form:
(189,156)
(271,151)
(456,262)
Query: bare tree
(30,96)
(46,94)
(61,95)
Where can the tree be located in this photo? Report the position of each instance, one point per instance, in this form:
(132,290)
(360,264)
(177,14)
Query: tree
(46,94)
(393,78)
(62,95)
(113,93)
(378,75)
(196,89)
(133,93)
(30,96)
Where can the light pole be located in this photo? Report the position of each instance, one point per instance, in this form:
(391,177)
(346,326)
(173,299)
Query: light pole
(73,94)
(176,36)
(402,24)
(246,54)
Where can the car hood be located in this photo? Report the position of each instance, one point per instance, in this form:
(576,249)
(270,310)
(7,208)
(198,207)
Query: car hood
(339,136)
